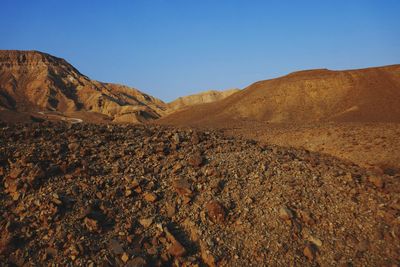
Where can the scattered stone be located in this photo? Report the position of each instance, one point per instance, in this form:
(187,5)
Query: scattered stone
(125,257)
(115,247)
(128,192)
(150,197)
(5,243)
(316,241)
(175,249)
(170,207)
(206,256)
(216,211)
(147,222)
(136,262)
(376,181)
(91,224)
(285,213)
(87,215)
(309,251)
(176,138)
(196,160)
(73,147)
(182,187)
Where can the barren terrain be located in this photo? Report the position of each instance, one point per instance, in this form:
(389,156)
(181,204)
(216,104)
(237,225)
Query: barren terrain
(306,97)
(302,170)
(154,196)
(371,145)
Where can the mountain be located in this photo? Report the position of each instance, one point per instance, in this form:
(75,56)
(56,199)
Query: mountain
(32,81)
(364,95)
(200,98)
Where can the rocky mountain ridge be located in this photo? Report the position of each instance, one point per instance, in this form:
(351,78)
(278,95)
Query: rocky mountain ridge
(32,81)
(364,95)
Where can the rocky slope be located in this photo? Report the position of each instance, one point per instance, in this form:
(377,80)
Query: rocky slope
(200,98)
(365,95)
(141,195)
(32,81)
(370,145)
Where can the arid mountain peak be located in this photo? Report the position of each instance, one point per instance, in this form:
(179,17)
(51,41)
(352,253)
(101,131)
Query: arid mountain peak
(32,81)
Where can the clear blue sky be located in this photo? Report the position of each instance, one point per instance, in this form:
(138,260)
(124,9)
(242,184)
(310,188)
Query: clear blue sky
(170,48)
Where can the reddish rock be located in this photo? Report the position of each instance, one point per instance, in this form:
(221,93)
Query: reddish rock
(196,160)
(285,213)
(182,187)
(376,181)
(216,211)
(136,262)
(206,256)
(175,249)
(310,252)
(91,224)
(150,197)
(5,241)
(146,222)
(125,257)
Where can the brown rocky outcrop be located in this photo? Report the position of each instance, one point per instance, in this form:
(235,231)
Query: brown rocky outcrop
(32,81)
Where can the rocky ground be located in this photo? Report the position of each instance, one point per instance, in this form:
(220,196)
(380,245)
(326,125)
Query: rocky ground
(115,195)
(370,145)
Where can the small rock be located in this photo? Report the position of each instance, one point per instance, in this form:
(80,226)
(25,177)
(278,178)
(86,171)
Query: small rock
(5,243)
(314,240)
(115,247)
(377,181)
(15,172)
(128,192)
(195,138)
(196,160)
(309,251)
(136,262)
(215,211)
(91,224)
(146,222)
(125,257)
(176,138)
(170,209)
(176,249)
(285,213)
(182,187)
(363,246)
(206,256)
(150,197)
(73,146)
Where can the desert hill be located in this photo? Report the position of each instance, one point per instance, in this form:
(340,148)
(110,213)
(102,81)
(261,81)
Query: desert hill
(32,81)
(364,95)
(200,98)
(143,195)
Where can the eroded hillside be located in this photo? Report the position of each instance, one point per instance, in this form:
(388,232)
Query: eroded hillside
(32,82)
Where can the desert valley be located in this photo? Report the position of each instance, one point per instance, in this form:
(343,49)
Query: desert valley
(300,170)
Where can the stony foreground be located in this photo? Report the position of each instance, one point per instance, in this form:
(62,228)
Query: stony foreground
(92,195)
